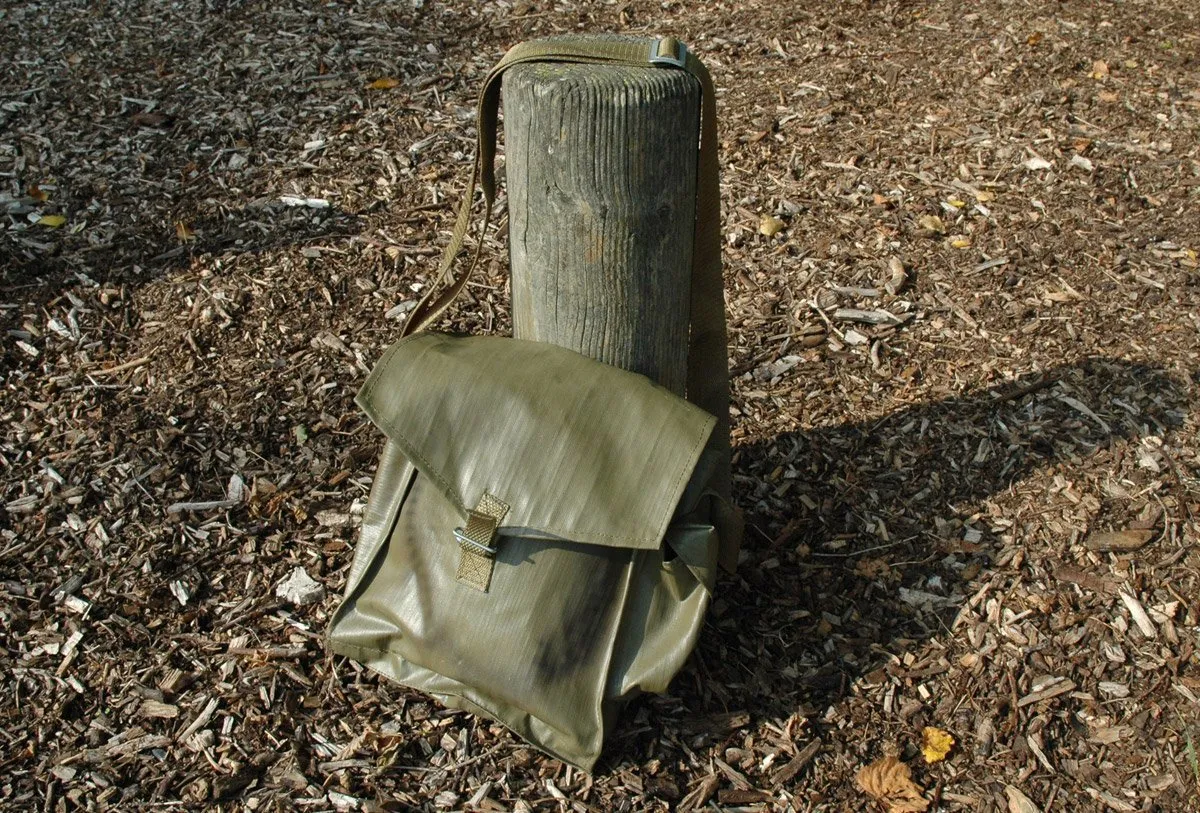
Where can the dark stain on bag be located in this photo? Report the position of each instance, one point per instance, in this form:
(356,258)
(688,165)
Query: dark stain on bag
(566,650)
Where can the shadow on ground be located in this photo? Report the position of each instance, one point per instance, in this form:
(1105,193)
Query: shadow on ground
(137,259)
(895,504)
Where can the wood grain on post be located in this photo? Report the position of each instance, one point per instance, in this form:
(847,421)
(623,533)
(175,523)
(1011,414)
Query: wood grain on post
(601,177)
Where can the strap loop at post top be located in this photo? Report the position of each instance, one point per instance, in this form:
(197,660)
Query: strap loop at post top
(669,51)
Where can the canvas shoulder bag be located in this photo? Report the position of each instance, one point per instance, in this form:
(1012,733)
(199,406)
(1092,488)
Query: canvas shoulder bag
(543,531)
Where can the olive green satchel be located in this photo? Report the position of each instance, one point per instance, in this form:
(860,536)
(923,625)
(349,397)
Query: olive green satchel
(544,530)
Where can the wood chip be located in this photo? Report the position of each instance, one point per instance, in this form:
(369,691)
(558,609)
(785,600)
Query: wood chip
(1110,801)
(157,709)
(204,505)
(200,720)
(1085,579)
(698,797)
(739,781)
(1040,392)
(795,764)
(1050,688)
(1118,541)
(715,723)
(734,796)
(872,317)
(1138,613)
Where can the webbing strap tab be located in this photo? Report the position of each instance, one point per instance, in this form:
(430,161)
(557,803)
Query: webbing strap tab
(476,542)
(669,51)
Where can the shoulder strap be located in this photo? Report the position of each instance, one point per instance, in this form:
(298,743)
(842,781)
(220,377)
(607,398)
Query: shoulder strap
(708,365)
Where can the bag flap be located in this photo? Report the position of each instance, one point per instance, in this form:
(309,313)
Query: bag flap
(578,449)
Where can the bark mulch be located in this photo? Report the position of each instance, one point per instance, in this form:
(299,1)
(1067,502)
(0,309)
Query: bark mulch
(964,294)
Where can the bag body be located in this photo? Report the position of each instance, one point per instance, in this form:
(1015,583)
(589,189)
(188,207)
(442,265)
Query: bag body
(544,530)
(604,559)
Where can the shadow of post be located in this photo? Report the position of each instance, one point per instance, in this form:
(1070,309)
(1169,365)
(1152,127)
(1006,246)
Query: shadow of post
(864,538)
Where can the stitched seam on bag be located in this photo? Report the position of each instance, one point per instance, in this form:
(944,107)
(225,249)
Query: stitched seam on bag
(373,380)
(387,527)
(422,464)
(695,456)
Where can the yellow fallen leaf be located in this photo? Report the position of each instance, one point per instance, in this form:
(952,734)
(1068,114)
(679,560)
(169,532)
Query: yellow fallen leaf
(932,223)
(770,226)
(184,233)
(956,203)
(889,781)
(52,221)
(935,744)
(960,242)
(386,83)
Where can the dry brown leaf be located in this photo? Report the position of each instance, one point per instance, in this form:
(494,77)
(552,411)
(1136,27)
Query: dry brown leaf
(1099,69)
(1018,802)
(889,781)
(932,223)
(386,83)
(38,194)
(872,568)
(184,233)
(899,276)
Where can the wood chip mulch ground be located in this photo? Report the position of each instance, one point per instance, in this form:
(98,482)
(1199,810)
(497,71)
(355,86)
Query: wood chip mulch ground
(964,291)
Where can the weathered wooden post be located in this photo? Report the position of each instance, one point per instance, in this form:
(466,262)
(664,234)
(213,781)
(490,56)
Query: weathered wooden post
(601,175)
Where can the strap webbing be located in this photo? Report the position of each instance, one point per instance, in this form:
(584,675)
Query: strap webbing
(708,365)
(477,554)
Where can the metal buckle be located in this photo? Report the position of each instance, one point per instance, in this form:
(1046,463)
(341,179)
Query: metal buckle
(668,51)
(468,542)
